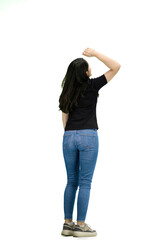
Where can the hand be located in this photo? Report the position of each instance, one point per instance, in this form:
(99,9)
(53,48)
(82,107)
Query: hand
(89,52)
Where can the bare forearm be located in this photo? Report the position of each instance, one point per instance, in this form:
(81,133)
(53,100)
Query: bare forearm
(64,124)
(109,62)
(64,119)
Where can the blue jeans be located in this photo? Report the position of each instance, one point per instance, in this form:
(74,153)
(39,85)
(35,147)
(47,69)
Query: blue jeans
(80,151)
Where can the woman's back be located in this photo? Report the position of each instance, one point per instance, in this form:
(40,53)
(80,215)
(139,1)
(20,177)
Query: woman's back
(84,115)
(80,139)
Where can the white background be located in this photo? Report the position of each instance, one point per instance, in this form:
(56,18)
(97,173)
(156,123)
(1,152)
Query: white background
(38,40)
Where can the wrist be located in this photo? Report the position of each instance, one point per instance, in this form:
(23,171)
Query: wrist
(95,53)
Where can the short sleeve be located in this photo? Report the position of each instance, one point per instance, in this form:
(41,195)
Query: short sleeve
(99,82)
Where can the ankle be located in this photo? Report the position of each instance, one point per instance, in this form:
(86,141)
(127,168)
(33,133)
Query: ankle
(80,223)
(68,220)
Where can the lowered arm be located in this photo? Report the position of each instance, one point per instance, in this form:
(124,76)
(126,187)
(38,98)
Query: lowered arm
(65,118)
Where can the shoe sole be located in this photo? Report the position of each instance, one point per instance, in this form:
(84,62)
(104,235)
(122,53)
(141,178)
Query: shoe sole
(84,234)
(67,233)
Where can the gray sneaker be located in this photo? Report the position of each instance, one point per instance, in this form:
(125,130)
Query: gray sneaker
(83,231)
(68,229)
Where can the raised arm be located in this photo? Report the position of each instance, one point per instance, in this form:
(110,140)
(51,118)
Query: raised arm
(109,62)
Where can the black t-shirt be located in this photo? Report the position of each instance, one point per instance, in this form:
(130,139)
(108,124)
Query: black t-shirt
(84,115)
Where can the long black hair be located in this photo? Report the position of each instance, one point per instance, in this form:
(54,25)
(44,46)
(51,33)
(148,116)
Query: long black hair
(73,85)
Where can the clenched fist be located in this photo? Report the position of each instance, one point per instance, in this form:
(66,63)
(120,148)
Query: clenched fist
(89,52)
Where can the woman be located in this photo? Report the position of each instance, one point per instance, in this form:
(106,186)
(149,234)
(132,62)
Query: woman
(80,140)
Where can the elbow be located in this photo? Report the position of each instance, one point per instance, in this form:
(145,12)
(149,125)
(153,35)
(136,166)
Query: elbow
(118,67)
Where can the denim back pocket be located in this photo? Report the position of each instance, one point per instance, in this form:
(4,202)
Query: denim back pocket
(88,140)
(66,138)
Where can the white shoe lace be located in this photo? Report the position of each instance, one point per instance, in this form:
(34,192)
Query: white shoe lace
(85,225)
(89,227)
